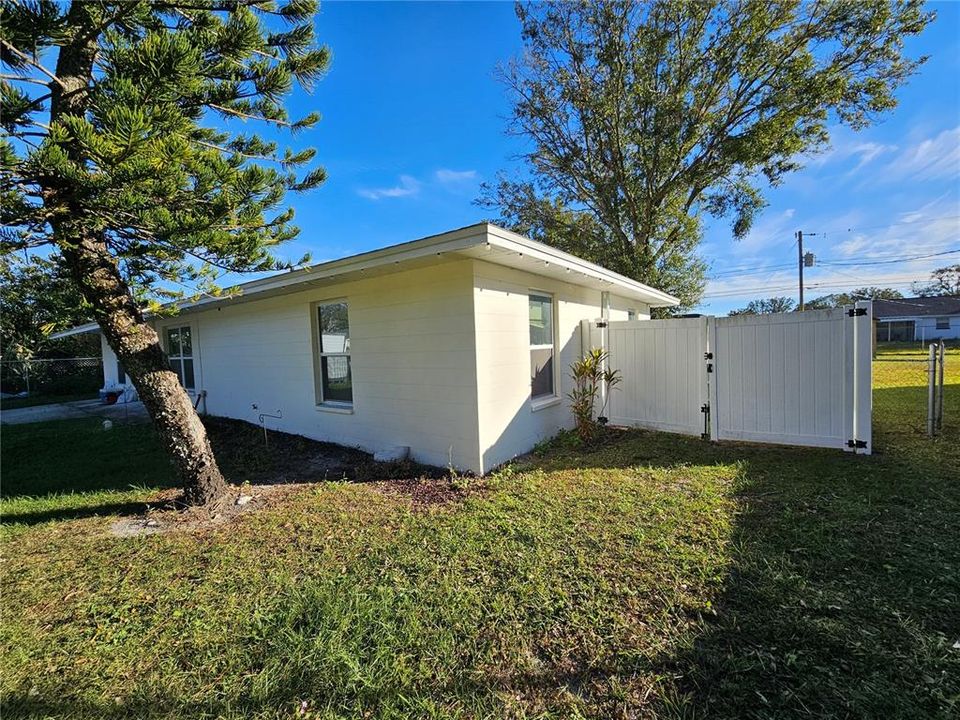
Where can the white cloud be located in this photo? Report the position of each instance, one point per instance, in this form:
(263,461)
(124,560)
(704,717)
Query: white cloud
(936,158)
(446,176)
(408,186)
(844,147)
(868,152)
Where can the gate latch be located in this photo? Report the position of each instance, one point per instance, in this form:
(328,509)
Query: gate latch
(856,312)
(856,443)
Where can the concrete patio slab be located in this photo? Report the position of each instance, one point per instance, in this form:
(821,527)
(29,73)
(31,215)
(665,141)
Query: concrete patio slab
(121,412)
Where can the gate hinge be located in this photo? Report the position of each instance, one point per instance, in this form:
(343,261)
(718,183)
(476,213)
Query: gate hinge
(856,312)
(705,408)
(709,367)
(708,356)
(856,443)
(601,323)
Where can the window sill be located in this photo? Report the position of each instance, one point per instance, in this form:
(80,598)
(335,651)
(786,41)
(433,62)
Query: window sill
(544,402)
(338,408)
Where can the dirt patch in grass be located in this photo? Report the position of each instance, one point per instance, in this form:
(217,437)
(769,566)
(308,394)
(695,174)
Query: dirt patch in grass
(426,493)
(245,457)
(265,473)
(164,513)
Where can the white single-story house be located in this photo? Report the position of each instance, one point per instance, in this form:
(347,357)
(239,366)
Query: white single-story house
(457,345)
(919,319)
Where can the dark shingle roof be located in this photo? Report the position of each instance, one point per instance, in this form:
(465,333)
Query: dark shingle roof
(920,306)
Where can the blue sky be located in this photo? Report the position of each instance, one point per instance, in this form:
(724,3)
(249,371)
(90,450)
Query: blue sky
(414,119)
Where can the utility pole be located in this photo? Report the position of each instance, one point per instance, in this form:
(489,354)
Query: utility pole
(802,260)
(800,265)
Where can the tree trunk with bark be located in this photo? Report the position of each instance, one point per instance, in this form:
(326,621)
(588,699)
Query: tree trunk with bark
(137,347)
(94,269)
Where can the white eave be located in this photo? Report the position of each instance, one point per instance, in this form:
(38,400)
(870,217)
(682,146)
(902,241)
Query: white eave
(482,241)
(78,330)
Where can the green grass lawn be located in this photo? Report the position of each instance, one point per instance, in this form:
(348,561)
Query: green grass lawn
(655,576)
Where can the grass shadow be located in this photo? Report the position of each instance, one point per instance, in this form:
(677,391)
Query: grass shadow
(77,513)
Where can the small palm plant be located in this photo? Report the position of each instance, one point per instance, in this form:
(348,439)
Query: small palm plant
(589,376)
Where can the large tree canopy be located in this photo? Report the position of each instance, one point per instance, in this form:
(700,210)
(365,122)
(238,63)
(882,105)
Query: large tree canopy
(36,298)
(766,306)
(835,300)
(642,118)
(121,150)
(943,281)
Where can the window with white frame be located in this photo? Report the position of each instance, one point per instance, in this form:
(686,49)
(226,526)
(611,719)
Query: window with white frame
(542,346)
(180,353)
(333,351)
(943,323)
(631,314)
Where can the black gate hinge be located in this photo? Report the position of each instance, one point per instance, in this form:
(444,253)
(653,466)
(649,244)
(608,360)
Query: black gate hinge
(708,356)
(856,443)
(601,323)
(856,312)
(709,367)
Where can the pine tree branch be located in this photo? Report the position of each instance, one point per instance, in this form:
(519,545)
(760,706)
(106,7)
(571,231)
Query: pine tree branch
(23,78)
(227,150)
(247,116)
(26,58)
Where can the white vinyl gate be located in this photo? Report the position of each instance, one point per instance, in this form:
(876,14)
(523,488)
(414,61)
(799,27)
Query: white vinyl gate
(788,378)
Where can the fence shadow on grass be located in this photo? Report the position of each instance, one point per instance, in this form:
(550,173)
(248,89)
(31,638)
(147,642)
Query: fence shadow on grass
(844,577)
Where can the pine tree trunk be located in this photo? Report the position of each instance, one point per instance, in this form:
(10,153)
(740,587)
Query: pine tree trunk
(95,270)
(137,347)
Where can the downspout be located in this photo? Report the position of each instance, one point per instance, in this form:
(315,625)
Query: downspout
(604,344)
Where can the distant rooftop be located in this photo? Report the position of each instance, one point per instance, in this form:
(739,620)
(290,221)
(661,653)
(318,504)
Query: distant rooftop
(917,307)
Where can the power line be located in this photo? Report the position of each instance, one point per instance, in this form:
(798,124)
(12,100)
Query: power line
(890,282)
(920,221)
(895,260)
(754,270)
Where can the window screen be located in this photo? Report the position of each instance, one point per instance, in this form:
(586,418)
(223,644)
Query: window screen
(180,353)
(333,339)
(542,348)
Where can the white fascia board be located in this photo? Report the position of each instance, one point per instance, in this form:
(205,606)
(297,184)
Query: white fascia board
(78,330)
(508,240)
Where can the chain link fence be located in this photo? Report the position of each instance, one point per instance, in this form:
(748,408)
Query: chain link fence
(901,376)
(61,377)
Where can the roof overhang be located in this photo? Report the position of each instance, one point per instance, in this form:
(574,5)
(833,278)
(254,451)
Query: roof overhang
(78,330)
(483,241)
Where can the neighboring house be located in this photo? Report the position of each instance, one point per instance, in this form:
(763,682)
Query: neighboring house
(457,346)
(917,319)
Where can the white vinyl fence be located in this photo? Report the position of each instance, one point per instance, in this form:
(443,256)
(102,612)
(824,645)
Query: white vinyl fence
(790,378)
(662,387)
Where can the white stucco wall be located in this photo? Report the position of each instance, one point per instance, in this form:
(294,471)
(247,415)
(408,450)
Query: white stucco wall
(925,328)
(509,422)
(412,359)
(109,363)
(620,307)
(440,359)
